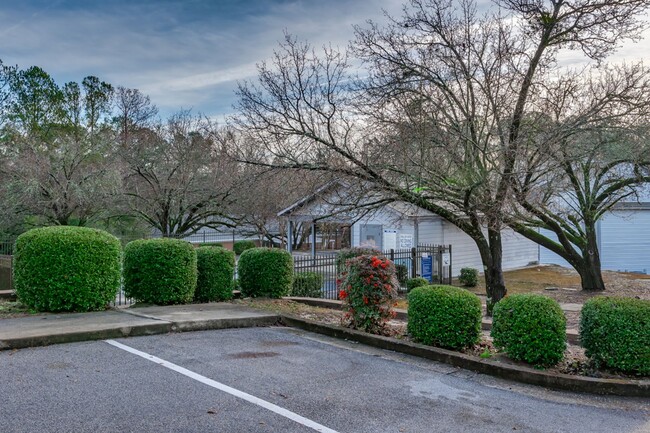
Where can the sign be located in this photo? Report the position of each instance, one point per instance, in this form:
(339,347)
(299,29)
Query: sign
(390,240)
(446,259)
(405,241)
(426,265)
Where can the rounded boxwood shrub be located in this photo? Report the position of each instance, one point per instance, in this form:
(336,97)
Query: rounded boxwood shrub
(530,328)
(468,277)
(216,269)
(412,283)
(307,284)
(615,332)
(160,271)
(67,268)
(240,246)
(265,272)
(444,316)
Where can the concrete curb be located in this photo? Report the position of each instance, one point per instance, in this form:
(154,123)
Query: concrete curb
(620,387)
(162,327)
(74,337)
(572,336)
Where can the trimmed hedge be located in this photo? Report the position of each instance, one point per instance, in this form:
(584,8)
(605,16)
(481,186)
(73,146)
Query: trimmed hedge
(616,333)
(67,268)
(160,271)
(216,269)
(468,277)
(444,316)
(265,272)
(530,328)
(240,246)
(307,284)
(412,283)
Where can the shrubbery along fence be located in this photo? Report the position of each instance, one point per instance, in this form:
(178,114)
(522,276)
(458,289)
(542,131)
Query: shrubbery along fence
(323,264)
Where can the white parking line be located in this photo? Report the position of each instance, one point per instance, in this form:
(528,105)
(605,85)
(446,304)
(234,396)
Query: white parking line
(225,388)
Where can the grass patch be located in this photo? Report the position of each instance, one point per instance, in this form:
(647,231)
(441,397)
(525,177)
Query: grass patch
(11,309)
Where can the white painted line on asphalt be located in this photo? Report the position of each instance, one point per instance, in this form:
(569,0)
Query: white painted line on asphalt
(225,388)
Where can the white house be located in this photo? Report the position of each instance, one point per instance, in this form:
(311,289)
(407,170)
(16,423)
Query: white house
(400,225)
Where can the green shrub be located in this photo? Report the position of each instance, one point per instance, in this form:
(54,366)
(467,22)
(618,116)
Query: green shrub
(307,284)
(67,269)
(240,246)
(444,316)
(616,333)
(468,277)
(160,271)
(412,283)
(530,328)
(216,268)
(402,273)
(265,272)
(368,291)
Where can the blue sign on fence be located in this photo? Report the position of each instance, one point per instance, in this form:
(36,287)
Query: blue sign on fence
(426,265)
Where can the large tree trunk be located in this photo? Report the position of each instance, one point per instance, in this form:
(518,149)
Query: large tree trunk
(591,275)
(492,255)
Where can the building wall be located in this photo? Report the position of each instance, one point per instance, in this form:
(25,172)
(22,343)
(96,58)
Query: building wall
(623,242)
(389,220)
(517,250)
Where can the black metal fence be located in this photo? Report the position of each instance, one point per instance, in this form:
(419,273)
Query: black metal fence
(6,265)
(431,261)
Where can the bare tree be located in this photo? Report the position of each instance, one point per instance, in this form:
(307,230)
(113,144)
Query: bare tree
(445,99)
(178,178)
(134,111)
(594,155)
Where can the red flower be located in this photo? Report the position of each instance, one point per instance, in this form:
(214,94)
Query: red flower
(343,294)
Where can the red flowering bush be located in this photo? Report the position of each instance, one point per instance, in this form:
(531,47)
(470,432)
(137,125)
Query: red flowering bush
(367,291)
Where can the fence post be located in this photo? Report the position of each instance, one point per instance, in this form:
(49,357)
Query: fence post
(450,264)
(392,255)
(414,260)
(440,251)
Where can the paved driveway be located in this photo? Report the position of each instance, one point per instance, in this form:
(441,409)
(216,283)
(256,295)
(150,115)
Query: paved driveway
(278,380)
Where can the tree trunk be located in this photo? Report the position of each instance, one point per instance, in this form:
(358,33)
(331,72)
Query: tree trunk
(590,272)
(492,255)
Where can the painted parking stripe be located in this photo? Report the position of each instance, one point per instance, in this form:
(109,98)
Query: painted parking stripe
(225,388)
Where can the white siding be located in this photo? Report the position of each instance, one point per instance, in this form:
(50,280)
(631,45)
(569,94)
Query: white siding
(517,250)
(388,220)
(625,241)
(430,231)
(549,257)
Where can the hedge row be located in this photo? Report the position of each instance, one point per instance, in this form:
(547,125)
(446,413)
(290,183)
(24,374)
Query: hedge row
(80,269)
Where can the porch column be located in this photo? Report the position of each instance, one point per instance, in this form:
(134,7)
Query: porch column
(290,236)
(313,238)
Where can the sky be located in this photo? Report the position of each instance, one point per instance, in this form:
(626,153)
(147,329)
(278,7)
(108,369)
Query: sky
(183,53)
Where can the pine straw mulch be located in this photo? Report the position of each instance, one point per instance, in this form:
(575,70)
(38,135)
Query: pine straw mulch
(575,361)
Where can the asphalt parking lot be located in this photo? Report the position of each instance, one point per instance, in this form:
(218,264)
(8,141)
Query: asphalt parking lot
(278,380)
